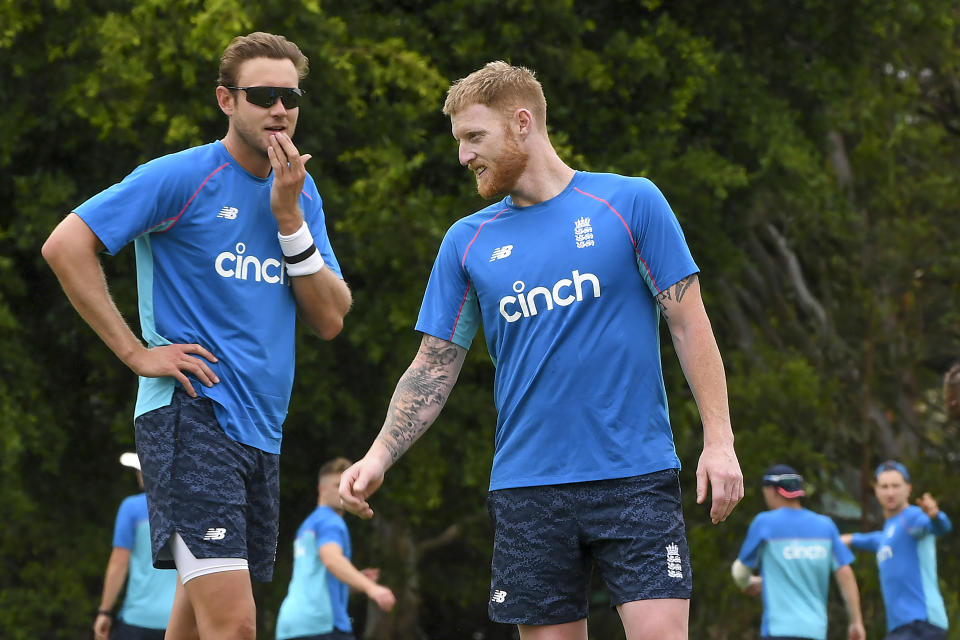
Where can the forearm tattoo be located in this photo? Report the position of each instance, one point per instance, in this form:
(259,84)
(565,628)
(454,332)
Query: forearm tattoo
(421,393)
(674,293)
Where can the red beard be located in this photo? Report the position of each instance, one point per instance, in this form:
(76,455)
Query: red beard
(501,176)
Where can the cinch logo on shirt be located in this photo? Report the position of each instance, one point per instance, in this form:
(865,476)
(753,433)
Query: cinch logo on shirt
(798,551)
(884,553)
(241,267)
(564,292)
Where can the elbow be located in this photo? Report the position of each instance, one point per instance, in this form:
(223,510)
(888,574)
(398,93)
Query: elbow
(50,250)
(330,327)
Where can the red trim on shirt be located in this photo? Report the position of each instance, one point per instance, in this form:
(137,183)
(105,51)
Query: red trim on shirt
(174,219)
(466,294)
(630,233)
(470,244)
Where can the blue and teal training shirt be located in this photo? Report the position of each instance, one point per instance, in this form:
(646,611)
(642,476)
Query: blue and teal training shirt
(566,290)
(316,601)
(796,551)
(210,271)
(906,552)
(149,594)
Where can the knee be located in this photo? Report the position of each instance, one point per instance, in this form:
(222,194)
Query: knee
(245,629)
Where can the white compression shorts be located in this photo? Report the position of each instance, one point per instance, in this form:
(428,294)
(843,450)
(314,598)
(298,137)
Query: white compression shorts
(190,567)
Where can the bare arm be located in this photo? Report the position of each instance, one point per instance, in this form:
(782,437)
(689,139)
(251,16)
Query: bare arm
(331,555)
(323,299)
(699,357)
(72,251)
(417,401)
(113,580)
(851,598)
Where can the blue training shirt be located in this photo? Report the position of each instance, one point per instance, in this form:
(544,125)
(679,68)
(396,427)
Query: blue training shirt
(210,271)
(316,601)
(796,551)
(906,551)
(149,594)
(566,290)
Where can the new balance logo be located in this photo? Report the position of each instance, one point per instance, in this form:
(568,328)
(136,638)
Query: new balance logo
(215,533)
(498,596)
(674,564)
(230,213)
(501,252)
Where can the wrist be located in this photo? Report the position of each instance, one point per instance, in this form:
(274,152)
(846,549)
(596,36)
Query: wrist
(105,612)
(299,251)
(287,224)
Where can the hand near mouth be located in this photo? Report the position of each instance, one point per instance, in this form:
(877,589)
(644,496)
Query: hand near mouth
(289,173)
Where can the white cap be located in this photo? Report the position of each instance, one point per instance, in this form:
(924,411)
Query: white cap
(130,459)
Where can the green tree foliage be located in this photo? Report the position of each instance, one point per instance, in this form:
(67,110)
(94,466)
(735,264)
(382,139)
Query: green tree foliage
(809,149)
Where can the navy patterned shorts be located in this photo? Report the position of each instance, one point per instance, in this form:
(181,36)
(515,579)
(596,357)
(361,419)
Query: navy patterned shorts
(917,630)
(223,497)
(547,538)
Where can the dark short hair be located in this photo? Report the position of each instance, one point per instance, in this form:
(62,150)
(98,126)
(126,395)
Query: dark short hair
(259,45)
(892,465)
(330,467)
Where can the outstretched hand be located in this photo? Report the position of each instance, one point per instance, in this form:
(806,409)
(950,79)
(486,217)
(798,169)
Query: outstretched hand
(357,484)
(719,470)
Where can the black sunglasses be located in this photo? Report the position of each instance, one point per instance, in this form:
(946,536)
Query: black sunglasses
(266,96)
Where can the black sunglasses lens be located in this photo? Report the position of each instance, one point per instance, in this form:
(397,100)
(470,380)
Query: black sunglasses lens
(266,96)
(290,98)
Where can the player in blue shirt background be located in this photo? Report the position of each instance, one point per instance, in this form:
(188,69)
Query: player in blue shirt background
(569,274)
(906,551)
(796,550)
(323,573)
(149,592)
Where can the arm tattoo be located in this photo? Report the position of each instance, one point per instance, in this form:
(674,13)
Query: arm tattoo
(421,393)
(679,291)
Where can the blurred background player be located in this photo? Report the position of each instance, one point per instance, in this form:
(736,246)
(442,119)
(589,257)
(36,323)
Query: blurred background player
(796,550)
(316,604)
(906,550)
(149,594)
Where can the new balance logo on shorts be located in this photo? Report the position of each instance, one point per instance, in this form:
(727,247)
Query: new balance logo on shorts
(498,596)
(217,533)
(674,566)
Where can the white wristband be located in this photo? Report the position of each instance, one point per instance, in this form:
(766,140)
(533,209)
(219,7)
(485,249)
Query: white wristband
(300,253)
